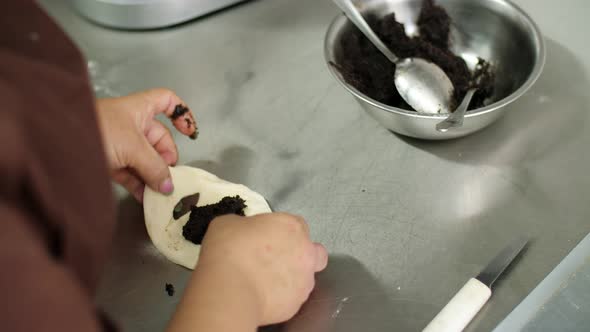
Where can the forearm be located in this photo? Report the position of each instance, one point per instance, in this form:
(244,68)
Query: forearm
(216,300)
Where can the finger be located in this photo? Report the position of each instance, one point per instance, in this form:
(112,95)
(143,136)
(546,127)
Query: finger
(309,286)
(160,138)
(167,102)
(321,257)
(151,168)
(131,183)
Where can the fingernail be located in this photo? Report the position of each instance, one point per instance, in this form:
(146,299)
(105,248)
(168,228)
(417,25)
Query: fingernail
(167,187)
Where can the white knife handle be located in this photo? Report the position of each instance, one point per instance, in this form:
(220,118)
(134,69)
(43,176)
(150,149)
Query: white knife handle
(457,314)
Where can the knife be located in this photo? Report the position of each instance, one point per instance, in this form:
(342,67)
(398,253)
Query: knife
(457,314)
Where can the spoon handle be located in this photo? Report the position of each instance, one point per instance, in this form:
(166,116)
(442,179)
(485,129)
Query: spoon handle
(355,17)
(455,119)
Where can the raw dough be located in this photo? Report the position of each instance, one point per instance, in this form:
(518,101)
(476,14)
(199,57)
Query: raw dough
(166,233)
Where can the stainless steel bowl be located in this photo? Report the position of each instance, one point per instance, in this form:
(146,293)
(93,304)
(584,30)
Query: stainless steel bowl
(496,30)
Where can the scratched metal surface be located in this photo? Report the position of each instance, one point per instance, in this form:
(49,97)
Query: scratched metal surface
(407,222)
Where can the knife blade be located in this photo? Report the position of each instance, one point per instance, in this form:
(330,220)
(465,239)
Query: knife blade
(497,265)
(461,309)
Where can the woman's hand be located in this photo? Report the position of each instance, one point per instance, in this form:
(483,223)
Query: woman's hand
(274,253)
(140,148)
(252,271)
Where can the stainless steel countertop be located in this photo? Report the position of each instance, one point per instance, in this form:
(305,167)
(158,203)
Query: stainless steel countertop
(407,222)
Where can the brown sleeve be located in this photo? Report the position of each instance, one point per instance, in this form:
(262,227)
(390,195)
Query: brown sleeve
(38,293)
(56,207)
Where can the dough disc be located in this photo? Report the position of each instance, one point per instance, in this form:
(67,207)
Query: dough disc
(166,232)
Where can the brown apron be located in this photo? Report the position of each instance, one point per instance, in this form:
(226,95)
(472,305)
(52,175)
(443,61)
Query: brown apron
(57,210)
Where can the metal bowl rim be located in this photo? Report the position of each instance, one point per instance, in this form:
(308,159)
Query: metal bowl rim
(533,76)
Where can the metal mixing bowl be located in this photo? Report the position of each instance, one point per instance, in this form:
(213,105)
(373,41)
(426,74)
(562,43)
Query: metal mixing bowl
(495,30)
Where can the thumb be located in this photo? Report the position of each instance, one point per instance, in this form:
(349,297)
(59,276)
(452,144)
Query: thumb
(151,168)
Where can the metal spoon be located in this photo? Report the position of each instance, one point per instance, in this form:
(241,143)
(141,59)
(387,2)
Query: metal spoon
(422,84)
(456,118)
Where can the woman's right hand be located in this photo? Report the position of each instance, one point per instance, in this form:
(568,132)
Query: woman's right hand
(261,267)
(272,251)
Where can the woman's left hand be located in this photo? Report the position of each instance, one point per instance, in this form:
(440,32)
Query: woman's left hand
(138,147)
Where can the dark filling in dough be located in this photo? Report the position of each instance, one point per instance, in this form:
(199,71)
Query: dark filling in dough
(200,218)
(363,66)
(179,111)
(170,289)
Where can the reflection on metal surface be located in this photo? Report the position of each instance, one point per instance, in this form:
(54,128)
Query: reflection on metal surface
(100,84)
(339,308)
